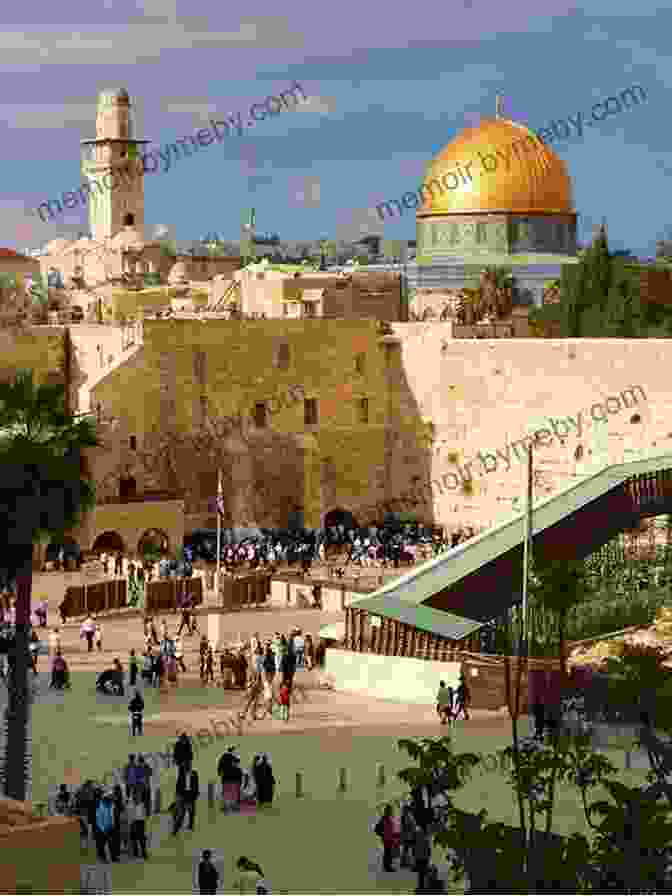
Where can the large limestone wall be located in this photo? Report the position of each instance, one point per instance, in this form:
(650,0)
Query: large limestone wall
(480,396)
(189,398)
(38,348)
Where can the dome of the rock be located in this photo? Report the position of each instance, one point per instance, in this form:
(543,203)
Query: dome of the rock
(496,194)
(498,166)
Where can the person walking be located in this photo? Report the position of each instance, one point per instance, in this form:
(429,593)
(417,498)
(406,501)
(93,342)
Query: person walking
(183,751)
(99,637)
(104,827)
(309,652)
(87,631)
(231,776)
(137,816)
(408,827)
(158,671)
(208,876)
(118,565)
(422,853)
(444,703)
(128,774)
(209,666)
(264,779)
(144,778)
(179,653)
(283,700)
(59,672)
(148,667)
(388,831)
(186,620)
(203,655)
(133,667)
(136,707)
(463,699)
(269,664)
(187,792)
(299,645)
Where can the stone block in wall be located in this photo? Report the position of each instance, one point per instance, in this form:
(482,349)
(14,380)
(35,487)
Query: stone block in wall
(332,599)
(279,589)
(300,596)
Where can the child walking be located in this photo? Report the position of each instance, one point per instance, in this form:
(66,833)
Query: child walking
(283,699)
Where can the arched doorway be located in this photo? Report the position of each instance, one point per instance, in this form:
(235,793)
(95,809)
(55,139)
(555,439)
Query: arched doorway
(108,541)
(153,541)
(72,553)
(340,517)
(129,220)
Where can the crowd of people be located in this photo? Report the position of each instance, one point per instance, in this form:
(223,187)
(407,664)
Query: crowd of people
(115,817)
(389,545)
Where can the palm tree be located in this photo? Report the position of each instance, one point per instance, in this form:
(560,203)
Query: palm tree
(43,493)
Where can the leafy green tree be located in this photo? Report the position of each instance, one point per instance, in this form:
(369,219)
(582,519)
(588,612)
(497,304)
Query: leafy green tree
(43,492)
(558,586)
(600,296)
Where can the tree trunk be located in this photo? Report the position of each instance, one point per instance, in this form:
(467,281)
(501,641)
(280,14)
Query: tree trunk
(17,715)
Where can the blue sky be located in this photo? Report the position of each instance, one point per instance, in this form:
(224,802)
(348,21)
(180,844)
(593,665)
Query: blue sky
(388,87)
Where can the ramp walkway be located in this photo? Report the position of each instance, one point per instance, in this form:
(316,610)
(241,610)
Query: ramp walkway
(477,581)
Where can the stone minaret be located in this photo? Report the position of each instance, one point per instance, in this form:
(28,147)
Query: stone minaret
(110,165)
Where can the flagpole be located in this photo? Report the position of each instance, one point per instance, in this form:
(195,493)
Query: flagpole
(219,529)
(527,543)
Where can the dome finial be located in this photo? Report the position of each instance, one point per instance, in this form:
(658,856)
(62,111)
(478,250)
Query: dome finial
(499,105)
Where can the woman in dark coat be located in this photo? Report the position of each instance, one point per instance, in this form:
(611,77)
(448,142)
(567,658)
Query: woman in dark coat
(264,779)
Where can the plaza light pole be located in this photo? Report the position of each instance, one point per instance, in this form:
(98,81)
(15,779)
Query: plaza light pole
(527,546)
(219,529)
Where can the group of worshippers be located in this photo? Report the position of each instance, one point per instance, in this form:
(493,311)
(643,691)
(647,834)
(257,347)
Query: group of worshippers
(115,816)
(169,658)
(392,543)
(276,661)
(245,791)
(408,837)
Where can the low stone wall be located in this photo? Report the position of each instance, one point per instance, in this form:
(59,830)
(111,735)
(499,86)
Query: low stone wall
(417,680)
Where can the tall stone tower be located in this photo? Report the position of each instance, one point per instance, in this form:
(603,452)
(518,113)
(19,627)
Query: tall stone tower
(111,165)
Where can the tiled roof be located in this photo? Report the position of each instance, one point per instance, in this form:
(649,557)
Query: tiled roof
(10,253)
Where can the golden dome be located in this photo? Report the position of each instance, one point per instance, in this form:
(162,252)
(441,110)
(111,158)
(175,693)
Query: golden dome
(511,170)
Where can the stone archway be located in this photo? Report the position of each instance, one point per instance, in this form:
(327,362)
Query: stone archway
(108,541)
(154,541)
(340,517)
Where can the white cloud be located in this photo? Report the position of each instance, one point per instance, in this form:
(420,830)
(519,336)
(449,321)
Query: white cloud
(139,40)
(323,105)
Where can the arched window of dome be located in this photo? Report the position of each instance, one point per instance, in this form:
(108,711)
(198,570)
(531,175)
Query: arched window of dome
(129,220)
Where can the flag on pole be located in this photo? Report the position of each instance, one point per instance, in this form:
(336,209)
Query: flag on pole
(220,495)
